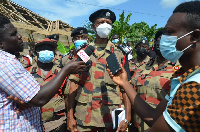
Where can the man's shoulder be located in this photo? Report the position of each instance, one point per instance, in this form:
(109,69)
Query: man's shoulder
(6,57)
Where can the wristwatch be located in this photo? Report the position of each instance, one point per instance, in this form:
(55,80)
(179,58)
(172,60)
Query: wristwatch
(129,124)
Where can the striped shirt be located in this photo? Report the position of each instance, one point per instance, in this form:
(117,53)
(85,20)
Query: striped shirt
(16,81)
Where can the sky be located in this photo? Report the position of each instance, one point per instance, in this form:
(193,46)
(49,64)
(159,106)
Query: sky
(77,12)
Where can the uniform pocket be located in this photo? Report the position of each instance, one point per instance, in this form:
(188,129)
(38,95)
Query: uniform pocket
(108,80)
(111,96)
(82,98)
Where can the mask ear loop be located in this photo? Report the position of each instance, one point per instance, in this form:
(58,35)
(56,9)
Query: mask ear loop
(185,35)
(187,47)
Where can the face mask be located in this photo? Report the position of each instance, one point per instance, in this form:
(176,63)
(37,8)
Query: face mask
(46,56)
(168,47)
(115,41)
(142,52)
(78,43)
(103,30)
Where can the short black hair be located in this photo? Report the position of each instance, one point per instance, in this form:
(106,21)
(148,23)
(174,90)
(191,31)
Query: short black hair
(3,21)
(115,34)
(53,36)
(192,10)
(159,33)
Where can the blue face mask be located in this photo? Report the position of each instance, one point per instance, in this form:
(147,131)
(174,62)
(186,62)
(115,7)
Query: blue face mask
(78,43)
(46,56)
(115,41)
(168,47)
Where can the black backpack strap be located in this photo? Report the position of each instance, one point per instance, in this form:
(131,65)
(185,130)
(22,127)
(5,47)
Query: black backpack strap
(33,70)
(112,49)
(55,71)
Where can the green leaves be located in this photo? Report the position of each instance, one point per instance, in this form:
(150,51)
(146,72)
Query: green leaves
(72,46)
(63,50)
(121,27)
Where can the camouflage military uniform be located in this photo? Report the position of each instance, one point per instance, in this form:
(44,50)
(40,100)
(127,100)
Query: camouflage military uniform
(58,60)
(152,84)
(53,113)
(68,57)
(97,94)
(137,68)
(24,61)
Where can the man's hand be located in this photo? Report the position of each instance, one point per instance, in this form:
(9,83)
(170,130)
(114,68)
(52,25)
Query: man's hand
(122,126)
(120,78)
(71,125)
(21,104)
(76,66)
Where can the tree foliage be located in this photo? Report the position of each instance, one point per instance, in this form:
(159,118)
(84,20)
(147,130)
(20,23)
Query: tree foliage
(121,27)
(91,32)
(63,50)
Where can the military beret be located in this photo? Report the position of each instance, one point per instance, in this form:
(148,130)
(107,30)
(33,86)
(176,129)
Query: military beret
(78,31)
(46,41)
(103,13)
(53,36)
(143,41)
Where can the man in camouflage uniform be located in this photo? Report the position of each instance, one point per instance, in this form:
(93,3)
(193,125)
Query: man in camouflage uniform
(80,39)
(152,82)
(95,92)
(139,64)
(53,113)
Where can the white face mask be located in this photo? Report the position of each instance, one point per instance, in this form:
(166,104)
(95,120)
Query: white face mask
(103,30)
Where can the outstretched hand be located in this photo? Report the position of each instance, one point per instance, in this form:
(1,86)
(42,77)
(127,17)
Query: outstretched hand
(20,104)
(76,66)
(119,78)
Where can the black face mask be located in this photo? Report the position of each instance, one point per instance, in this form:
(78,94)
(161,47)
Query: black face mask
(142,52)
(157,48)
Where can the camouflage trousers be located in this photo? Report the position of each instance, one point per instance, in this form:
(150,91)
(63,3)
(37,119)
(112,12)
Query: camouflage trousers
(62,128)
(94,129)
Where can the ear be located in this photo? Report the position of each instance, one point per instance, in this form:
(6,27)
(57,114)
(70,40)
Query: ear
(195,37)
(93,27)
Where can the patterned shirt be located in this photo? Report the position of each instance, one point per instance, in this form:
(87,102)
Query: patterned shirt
(185,107)
(16,81)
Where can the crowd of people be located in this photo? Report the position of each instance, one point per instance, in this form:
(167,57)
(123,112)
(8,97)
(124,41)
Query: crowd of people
(159,89)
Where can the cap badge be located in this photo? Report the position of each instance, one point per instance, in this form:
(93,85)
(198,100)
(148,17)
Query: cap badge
(143,41)
(81,31)
(107,14)
(177,67)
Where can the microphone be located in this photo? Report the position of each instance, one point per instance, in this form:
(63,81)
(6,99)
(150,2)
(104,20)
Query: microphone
(84,55)
(124,49)
(80,47)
